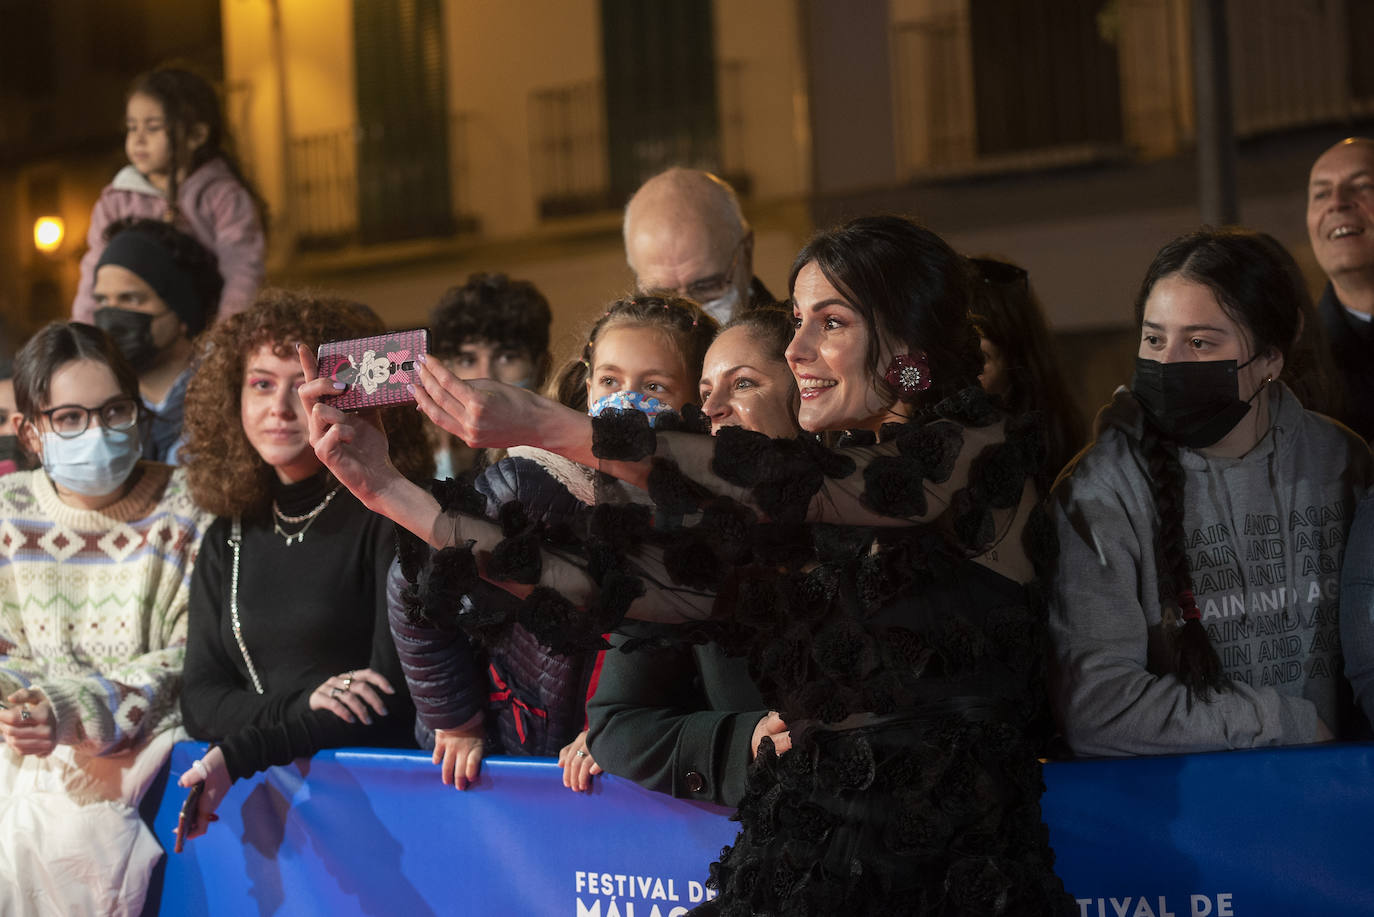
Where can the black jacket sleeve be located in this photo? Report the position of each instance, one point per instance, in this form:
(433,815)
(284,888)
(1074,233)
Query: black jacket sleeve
(301,731)
(651,721)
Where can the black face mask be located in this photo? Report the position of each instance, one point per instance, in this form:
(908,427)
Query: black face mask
(132,333)
(1192,403)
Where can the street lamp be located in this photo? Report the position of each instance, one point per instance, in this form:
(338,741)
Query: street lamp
(48,233)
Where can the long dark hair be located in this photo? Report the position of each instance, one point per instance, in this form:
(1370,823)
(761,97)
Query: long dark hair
(1007,312)
(55,345)
(188,99)
(690,329)
(911,288)
(1259,293)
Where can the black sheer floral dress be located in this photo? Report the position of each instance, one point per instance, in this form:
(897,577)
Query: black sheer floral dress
(886,596)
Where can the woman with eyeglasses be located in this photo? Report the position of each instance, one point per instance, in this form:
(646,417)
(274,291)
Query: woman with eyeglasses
(96,550)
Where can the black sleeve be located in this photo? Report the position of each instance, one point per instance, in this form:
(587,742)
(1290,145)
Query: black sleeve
(302,732)
(650,723)
(217,699)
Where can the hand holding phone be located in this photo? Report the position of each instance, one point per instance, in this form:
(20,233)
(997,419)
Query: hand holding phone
(190,815)
(375,369)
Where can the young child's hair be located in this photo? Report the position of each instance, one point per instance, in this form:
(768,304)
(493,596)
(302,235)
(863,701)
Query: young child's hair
(690,330)
(187,100)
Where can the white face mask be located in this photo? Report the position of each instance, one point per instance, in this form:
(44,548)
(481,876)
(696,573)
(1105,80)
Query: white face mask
(93,464)
(722,308)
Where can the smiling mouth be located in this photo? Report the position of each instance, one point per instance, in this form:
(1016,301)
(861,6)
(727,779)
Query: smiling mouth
(1340,232)
(814,388)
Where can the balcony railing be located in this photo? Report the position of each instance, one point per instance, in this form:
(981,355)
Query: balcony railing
(568,149)
(324,191)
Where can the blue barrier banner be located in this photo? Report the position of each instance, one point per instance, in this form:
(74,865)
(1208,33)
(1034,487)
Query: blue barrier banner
(359,831)
(1234,834)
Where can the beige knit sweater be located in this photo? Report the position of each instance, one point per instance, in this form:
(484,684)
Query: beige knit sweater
(93,604)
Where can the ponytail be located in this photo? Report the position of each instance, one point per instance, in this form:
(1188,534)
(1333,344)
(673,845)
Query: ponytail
(690,329)
(1194,659)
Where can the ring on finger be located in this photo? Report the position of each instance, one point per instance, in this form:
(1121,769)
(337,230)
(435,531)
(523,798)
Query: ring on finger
(582,752)
(334,692)
(26,714)
(348,682)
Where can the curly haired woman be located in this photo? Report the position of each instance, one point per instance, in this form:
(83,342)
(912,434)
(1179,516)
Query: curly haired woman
(289,650)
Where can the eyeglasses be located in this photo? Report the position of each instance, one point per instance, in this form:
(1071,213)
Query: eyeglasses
(1001,273)
(71,420)
(717,285)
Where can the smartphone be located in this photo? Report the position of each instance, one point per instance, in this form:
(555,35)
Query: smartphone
(190,815)
(376,369)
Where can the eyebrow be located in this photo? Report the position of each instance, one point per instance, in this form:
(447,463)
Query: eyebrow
(832,301)
(612,368)
(1187,329)
(1362,173)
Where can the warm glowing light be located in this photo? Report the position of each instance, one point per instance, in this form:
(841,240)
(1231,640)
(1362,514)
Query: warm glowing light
(48,233)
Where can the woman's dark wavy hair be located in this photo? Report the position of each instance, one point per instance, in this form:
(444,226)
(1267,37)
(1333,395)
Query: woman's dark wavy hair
(1257,291)
(1007,312)
(226,475)
(493,308)
(690,330)
(910,287)
(188,99)
(55,345)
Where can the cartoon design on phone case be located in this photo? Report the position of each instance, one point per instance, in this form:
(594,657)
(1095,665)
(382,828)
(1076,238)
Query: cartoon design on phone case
(376,369)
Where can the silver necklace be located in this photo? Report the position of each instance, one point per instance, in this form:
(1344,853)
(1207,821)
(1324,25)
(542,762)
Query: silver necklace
(308,518)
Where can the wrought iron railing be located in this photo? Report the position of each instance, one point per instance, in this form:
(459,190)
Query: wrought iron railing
(568,164)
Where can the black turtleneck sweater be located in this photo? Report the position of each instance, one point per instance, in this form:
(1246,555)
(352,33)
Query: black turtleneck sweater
(1352,352)
(307,611)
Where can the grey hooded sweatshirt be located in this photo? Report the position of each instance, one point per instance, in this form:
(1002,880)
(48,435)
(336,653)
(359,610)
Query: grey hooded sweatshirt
(1264,535)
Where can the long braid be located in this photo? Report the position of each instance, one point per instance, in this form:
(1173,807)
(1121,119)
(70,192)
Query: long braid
(1195,660)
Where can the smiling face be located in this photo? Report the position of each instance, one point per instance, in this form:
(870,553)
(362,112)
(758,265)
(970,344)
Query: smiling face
(742,386)
(637,358)
(273,421)
(1340,209)
(830,360)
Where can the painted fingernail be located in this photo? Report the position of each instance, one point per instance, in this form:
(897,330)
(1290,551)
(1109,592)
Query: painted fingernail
(421,359)
(340,386)
(410,389)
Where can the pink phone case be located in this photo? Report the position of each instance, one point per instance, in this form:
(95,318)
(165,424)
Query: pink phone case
(376,369)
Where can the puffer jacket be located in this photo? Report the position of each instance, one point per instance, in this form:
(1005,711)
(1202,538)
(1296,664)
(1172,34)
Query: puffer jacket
(535,700)
(214,207)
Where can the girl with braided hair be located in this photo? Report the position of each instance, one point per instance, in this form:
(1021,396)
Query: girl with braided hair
(1202,533)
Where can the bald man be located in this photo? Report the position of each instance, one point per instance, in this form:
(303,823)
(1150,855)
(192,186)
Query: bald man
(685,234)
(1340,226)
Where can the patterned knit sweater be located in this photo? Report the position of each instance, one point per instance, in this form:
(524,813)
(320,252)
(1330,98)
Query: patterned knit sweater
(93,604)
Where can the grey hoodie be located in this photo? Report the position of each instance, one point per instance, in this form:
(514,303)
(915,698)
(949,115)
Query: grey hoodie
(1264,536)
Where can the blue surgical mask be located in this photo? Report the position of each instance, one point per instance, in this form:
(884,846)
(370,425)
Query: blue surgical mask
(93,464)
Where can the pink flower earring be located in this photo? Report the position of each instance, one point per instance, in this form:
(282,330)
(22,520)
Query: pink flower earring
(909,374)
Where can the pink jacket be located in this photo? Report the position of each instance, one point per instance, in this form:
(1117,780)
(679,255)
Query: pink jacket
(215,208)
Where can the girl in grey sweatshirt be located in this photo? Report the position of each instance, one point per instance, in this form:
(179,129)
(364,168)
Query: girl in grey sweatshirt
(1202,533)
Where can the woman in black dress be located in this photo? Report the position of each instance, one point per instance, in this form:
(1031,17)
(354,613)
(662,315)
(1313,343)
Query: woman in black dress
(902,641)
(288,650)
